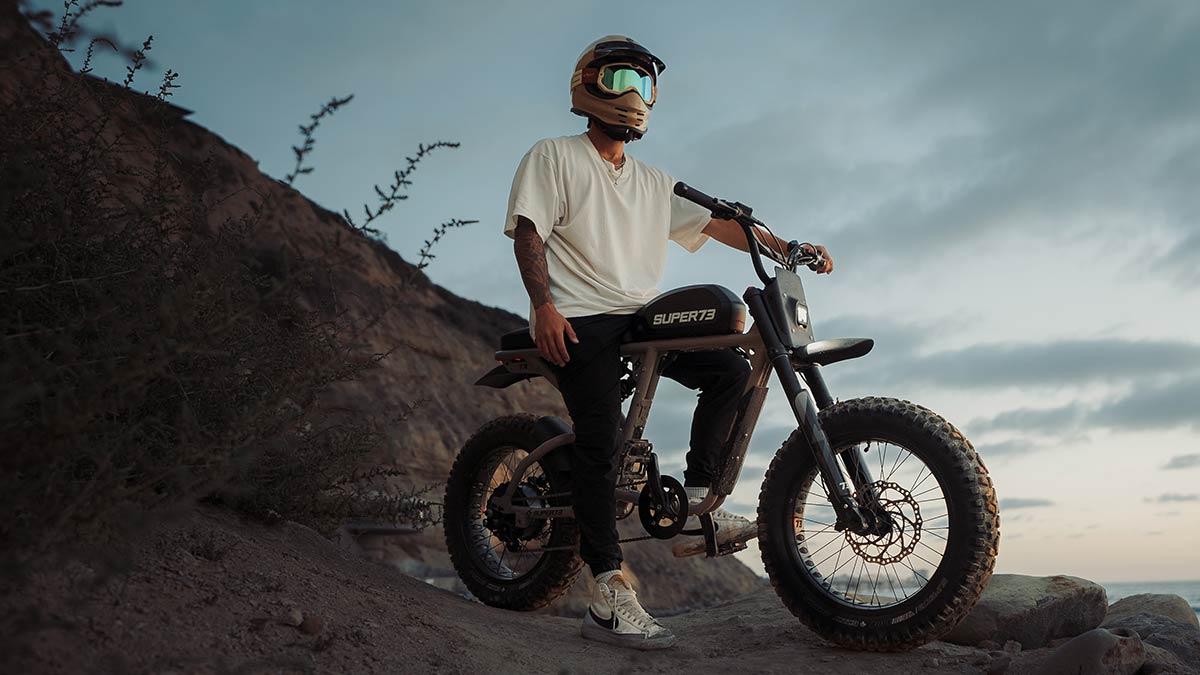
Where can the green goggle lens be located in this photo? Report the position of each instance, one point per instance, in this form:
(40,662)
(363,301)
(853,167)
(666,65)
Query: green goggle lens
(620,79)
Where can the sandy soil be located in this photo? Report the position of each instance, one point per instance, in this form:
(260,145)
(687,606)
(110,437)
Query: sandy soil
(211,593)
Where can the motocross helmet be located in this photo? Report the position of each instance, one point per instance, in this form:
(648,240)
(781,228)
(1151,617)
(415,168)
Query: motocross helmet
(615,84)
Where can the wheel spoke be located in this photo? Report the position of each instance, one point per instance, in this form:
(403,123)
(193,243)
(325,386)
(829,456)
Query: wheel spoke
(839,554)
(897,466)
(850,577)
(869,575)
(831,540)
(496,471)
(923,559)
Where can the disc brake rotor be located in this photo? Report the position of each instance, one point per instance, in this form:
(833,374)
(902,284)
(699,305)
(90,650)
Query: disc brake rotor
(903,531)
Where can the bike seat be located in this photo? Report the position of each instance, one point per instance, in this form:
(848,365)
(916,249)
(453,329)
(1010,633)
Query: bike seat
(517,339)
(521,339)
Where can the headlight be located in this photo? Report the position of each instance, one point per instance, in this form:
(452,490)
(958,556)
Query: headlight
(801,316)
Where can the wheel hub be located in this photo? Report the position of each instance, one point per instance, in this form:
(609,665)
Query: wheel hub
(504,524)
(896,529)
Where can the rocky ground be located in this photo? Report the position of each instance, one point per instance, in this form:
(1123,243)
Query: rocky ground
(211,593)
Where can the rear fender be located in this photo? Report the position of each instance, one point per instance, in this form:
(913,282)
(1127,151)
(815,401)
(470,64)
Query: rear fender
(559,459)
(517,365)
(501,377)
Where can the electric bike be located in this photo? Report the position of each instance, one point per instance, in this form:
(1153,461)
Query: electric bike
(877,520)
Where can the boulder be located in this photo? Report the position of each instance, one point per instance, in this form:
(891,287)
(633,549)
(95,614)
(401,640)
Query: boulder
(1181,639)
(1097,652)
(1173,607)
(1032,611)
(1162,662)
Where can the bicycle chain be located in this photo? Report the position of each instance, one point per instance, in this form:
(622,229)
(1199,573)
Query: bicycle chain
(629,540)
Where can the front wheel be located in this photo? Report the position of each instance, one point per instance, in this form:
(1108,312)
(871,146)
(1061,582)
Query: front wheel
(922,570)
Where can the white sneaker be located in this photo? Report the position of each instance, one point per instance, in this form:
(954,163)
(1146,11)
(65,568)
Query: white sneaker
(731,530)
(615,616)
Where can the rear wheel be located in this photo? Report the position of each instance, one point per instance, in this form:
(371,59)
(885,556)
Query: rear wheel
(522,566)
(914,578)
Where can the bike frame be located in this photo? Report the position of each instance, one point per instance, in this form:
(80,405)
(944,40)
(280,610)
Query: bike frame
(793,366)
(651,357)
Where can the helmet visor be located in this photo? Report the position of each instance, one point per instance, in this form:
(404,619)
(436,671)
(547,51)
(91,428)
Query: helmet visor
(618,78)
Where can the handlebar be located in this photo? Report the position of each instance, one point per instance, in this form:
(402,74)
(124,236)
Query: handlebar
(720,209)
(740,213)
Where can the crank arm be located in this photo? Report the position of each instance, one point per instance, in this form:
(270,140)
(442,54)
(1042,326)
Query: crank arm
(658,497)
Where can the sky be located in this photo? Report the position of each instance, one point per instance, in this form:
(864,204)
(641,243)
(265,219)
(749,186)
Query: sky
(1008,189)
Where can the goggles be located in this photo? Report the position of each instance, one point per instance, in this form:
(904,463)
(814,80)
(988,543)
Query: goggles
(618,78)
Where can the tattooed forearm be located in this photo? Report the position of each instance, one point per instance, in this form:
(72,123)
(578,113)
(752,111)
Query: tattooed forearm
(531,260)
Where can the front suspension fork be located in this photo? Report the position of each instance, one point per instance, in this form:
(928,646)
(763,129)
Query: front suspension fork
(853,457)
(849,513)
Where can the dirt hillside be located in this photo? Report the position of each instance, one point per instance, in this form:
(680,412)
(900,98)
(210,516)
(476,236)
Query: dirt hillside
(212,594)
(439,343)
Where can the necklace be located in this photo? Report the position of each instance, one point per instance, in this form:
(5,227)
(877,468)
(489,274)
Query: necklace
(614,172)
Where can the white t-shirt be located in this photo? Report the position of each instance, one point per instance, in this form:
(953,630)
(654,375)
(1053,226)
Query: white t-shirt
(605,231)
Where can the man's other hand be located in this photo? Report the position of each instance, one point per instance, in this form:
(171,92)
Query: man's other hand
(827,265)
(551,327)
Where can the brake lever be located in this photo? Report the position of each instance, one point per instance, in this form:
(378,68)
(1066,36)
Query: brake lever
(726,211)
(800,255)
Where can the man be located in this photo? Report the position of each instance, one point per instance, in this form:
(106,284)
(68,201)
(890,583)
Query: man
(591,226)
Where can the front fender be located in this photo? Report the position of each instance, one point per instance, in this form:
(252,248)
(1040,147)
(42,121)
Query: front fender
(825,352)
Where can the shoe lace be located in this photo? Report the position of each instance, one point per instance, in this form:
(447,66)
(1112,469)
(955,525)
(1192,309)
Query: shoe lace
(626,603)
(722,514)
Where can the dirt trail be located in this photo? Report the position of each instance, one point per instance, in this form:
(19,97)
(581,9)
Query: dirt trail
(211,593)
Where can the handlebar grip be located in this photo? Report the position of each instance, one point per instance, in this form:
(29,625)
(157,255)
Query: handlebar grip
(693,195)
(724,211)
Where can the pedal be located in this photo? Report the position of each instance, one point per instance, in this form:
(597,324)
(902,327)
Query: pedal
(711,548)
(731,547)
(710,535)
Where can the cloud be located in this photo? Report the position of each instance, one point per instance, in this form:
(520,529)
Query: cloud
(1183,461)
(1160,407)
(1171,497)
(1015,446)
(937,128)
(1145,407)
(1049,364)
(1042,420)
(890,335)
(1181,260)
(1024,503)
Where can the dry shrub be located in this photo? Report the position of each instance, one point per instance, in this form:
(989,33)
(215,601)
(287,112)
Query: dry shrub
(149,358)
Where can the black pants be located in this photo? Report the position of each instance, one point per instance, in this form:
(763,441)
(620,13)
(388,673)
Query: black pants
(590,388)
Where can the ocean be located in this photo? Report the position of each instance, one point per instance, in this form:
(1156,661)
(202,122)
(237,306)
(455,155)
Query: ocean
(1189,590)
